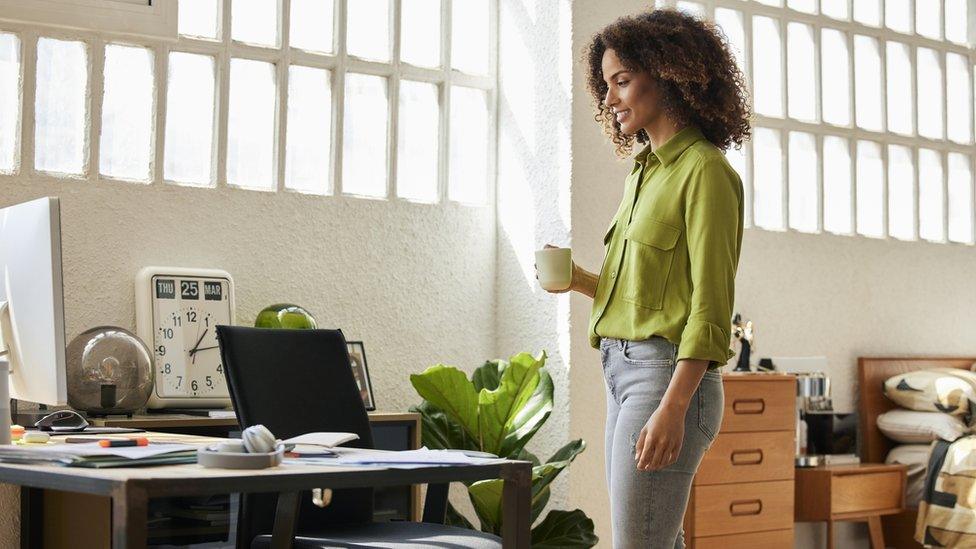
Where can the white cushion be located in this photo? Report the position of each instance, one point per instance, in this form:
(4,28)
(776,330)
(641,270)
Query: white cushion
(916,457)
(912,427)
(949,390)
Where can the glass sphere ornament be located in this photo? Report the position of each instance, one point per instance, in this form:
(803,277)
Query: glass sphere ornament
(285,315)
(109,371)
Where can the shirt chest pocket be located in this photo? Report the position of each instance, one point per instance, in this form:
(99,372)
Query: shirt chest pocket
(647,262)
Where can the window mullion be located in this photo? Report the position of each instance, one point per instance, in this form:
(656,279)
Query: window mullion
(393,104)
(222,86)
(281,91)
(339,93)
(784,139)
(161,78)
(445,102)
(28,59)
(96,85)
(491,192)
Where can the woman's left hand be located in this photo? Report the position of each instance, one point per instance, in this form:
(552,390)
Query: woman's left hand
(659,443)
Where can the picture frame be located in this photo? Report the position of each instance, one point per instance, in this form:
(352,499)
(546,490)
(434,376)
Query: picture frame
(360,372)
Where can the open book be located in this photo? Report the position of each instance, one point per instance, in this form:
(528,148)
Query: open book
(318,444)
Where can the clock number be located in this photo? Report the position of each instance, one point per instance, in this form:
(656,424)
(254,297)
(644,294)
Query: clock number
(193,385)
(209,382)
(220,368)
(206,321)
(167,368)
(179,381)
(161,350)
(191,316)
(189,290)
(167,333)
(177,320)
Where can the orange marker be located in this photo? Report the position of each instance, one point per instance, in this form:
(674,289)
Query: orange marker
(107,443)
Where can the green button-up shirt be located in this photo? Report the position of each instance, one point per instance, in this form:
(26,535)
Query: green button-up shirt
(672,251)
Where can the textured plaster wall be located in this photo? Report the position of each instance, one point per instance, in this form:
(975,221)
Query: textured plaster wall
(534,133)
(415,282)
(841,297)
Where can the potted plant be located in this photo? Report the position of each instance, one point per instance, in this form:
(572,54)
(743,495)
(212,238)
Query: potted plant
(499,410)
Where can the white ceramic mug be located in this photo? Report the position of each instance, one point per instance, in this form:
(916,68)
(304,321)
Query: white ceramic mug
(555,268)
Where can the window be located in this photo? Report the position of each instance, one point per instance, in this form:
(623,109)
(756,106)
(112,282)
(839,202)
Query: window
(864,116)
(388,99)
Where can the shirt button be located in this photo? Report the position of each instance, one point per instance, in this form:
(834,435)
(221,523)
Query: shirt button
(613,274)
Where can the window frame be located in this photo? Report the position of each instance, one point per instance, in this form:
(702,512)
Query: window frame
(282,57)
(852,132)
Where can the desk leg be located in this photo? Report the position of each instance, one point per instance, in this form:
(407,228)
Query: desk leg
(830,534)
(129,516)
(286,516)
(877,535)
(517,505)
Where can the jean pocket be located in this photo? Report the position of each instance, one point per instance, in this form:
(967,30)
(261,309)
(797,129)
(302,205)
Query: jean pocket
(648,353)
(711,404)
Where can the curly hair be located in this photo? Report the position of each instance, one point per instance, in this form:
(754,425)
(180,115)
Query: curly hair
(692,65)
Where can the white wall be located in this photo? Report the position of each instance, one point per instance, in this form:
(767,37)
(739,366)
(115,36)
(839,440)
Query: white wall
(415,282)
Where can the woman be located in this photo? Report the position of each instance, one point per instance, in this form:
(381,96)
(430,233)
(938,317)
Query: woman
(662,302)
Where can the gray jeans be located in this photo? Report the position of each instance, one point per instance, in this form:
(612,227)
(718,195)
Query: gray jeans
(647,507)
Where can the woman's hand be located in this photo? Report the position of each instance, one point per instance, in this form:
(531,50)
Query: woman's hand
(659,443)
(581,281)
(574,279)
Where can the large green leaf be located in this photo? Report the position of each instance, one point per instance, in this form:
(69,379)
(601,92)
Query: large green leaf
(486,497)
(448,388)
(498,408)
(530,418)
(544,475)
(564,530)
(489,375)
(440,432)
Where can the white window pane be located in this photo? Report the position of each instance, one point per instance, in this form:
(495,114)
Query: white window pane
(199,18)
(737,159)
(901,196)
(900,105)
(255,21)
(731,23)
(767,180)
(960,199)
(419,115)
(364,160)
(189,119)
(127,113)
(930,195)
(420,32)
(691,8)
(927,18)
(809,6)
(767,56)
(836,85)
(955,21)
(898,15)
(469,36)
(9,100)
(958,90)
(309,140)
(59,111)
(870,189)
(834,8)
(468,180)
(868,12)
(867,82)
(930,102)
(311,25)
(368,29)
(251,124)
(803,182)
(801,92)
(837,185)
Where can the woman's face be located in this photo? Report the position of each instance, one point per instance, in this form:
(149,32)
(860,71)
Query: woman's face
(631,96)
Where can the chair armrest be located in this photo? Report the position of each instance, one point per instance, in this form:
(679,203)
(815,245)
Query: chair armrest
(435,504)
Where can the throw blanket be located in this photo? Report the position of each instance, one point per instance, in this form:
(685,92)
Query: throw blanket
(947,512)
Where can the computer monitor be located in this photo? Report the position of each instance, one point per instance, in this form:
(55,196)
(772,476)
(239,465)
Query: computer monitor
(32,301)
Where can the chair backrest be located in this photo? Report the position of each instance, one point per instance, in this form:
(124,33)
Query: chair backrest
(294,382)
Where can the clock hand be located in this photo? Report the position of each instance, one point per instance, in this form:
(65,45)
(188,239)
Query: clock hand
(194,351)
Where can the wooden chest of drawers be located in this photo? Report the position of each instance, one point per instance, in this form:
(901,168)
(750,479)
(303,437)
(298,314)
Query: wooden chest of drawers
(742,495)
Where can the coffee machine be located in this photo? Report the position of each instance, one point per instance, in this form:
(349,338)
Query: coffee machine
(822,435)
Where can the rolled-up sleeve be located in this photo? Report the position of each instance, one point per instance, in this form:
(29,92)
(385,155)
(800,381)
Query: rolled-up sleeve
(713,218)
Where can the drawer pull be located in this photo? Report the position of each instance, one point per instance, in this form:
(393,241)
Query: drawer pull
(747,457)
(749,406)
(747,507)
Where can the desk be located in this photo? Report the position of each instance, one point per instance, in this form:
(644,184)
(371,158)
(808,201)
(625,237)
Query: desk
(131,488)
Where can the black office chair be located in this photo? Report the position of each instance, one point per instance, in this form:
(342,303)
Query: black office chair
(300,381)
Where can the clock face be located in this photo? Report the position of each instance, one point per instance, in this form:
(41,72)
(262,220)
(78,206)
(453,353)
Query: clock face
(186,312)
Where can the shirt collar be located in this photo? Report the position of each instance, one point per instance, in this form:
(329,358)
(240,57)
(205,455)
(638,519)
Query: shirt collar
(672,148)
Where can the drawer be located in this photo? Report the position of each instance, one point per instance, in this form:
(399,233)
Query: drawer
(777,539)
(759,405)
(859,493)
(748,457)
(725,509)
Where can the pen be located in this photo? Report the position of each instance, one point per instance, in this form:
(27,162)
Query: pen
(108,443)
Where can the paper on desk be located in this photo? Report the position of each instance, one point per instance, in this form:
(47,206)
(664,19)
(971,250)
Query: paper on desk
(423,456)
(93,449)
(328,440)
